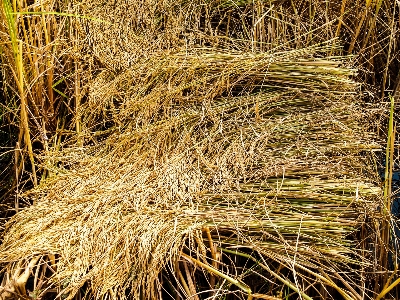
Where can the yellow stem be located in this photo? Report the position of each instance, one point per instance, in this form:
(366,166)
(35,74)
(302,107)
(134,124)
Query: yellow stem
(341,18)
(244,287)
(24,114)
(387,290)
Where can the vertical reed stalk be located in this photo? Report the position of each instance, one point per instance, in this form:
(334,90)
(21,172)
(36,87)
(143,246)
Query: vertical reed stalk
(386,223)
(24,114)
(342,9)
(389,54)
(78,105)
(389,157)
(372,25)
(359,27)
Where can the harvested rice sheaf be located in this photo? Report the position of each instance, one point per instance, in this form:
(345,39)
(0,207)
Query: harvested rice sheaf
(223,173)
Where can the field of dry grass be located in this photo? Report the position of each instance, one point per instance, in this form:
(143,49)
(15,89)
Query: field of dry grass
(204,149)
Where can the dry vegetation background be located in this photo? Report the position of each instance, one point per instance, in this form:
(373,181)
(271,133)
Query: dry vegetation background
(198,149)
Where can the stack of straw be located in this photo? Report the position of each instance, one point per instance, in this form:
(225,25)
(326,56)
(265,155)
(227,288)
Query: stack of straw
(212,155)
(204,170)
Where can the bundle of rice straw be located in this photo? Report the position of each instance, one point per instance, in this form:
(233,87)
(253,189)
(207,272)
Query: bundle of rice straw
(214,157)
(210,163)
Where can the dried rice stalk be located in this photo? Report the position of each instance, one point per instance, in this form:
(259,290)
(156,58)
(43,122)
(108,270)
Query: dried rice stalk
(268,151)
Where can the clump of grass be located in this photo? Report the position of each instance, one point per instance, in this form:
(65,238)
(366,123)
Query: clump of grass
(15,61)
(35,71)
(27,63)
